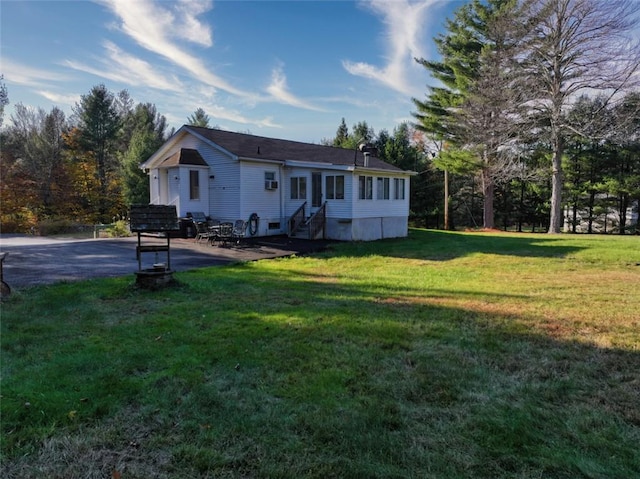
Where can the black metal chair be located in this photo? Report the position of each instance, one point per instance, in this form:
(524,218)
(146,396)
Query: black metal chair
(239,231)
(225,233)
(202,231)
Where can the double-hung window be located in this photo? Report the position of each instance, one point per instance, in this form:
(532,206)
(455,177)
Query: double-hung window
(365,187)
(299,188)
(382,188)
(194,185)
(398,186)
(334,187)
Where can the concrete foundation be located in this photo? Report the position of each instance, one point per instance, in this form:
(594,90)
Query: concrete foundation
(367,229)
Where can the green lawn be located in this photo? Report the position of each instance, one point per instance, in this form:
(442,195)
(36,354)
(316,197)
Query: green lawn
(444,355)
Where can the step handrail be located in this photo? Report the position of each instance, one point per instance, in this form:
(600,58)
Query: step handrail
(296,219)
(317,221)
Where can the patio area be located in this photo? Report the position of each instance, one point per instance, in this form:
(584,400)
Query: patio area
(35,260)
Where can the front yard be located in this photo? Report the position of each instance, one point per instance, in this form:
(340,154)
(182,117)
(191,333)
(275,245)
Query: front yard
(474,355)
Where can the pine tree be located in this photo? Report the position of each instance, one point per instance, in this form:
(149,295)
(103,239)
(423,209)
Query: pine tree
(199,118)
(99,125)
(467,111)
(342,135)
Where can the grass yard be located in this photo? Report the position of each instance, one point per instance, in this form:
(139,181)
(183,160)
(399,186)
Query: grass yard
(444,355)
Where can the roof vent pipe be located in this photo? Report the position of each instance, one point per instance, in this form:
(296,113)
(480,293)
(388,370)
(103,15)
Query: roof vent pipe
(366,159)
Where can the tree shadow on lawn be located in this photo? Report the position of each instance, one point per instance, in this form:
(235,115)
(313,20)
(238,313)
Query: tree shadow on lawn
(335,380)
(437,245)
(489,392)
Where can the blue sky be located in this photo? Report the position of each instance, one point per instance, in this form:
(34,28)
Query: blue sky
(285,69)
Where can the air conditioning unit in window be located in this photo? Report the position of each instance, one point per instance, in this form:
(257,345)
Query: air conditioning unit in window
(270,185)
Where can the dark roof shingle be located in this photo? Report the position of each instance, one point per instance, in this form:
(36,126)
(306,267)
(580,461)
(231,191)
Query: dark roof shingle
(186,156)
(260,147)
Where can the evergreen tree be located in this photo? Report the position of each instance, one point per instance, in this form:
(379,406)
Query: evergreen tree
(342,135)
(147,128)
(99,126)
(623,176)
(469,111)
(199,118)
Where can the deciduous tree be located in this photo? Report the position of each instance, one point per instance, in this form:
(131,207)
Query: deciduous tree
(36,140)
(4,99)
(577,46)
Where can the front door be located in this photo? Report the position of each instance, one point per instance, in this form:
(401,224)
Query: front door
(316,190)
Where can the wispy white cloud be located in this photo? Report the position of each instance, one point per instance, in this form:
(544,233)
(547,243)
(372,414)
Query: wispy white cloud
(279,90)
(20,74)
(188,25)
(60,98)
(125,68)
(405,25)
(218,112)
(192,97)
(155,26)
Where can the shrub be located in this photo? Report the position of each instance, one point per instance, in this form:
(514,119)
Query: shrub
(119,229)
(55,226)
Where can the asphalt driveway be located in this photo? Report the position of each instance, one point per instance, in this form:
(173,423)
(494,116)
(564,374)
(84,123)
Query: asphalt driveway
(34,260)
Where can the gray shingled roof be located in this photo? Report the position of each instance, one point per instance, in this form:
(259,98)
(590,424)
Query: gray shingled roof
(259,147)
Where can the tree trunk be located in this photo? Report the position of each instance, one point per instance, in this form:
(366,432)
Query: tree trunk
(446,200)
(592,201)
(555,221)
(521,207)
(624,204)
(487,191)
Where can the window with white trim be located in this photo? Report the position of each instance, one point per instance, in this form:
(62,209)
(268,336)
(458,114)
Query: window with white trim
(194,185)
(365,187)
(334,187)
(382,188)
(298,188)
(398,186)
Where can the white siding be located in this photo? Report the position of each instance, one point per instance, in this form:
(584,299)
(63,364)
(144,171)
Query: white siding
(173,195)
(376,208)
(335,208)
(339,208)
(154,187)
(186,203)
(224,187)
(292,205)
(267,204)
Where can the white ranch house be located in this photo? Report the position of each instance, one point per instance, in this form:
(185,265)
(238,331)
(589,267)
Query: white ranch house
(351,194)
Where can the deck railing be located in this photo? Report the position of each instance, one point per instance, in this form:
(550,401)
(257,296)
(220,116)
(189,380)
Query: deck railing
(317,222)
(297,218)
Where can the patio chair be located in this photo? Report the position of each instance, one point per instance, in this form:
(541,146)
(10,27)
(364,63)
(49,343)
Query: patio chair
(201,225)
(225,233)
(239,230)
(197,217)
(202,231)
(214,230)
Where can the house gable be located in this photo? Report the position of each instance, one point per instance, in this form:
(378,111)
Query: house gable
(184,156)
